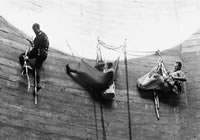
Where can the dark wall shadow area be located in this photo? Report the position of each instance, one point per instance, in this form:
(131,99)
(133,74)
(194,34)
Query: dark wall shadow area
(168,98)
(95,94)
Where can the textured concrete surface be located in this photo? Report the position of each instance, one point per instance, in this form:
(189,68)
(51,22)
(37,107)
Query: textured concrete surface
(67,112)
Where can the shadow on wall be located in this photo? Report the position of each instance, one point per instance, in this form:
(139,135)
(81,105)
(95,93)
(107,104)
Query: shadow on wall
(168,98)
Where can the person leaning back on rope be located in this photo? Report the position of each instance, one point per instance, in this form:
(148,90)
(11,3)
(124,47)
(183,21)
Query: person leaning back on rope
(40,46)
(175,78)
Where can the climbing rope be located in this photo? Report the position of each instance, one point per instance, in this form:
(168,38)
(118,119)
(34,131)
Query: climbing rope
(102,122)
(127,88)
(35,87)
(74,57)
(26,68)
(119,49)
(95,117)
(108,46)
(101,44)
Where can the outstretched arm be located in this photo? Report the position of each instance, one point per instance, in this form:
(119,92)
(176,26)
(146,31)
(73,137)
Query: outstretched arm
(180,76)
(183,79)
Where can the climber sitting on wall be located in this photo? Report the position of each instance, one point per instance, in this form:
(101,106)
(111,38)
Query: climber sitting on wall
(109,93)
(39,52)
(175,78)
(94,79)
(160,79)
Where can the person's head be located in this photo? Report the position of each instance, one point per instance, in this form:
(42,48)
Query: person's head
(100,66)
(177,66)
(36,28)
(109,65)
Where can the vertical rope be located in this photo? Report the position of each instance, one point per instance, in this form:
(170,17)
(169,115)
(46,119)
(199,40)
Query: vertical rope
(102,121)
(95,116)
(35,86)
(70,49)
(72,52)
(99,53)
(1,20)
(98,59)
(177,18)
(176,12)
(186,100)
(127,88)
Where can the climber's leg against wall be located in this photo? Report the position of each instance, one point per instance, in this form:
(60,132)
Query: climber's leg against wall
(38,65)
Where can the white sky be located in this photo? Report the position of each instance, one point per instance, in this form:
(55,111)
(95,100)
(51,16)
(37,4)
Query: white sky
(147,25)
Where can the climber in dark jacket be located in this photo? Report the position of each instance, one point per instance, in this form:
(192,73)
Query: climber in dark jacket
(39,51)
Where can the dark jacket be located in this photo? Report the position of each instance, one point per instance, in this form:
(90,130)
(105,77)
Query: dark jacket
(41,41)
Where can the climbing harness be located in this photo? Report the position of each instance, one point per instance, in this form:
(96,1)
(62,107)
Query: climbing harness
(109,93)
(27,68)
(155,94)
(154,81)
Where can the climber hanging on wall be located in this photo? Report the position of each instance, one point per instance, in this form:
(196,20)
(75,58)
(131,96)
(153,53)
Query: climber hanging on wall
(90,77)
(173,80)
(98,79)
(39,51)
(160,79)
(109,93)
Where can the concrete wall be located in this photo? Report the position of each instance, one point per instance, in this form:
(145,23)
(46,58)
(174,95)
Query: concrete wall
(65,111)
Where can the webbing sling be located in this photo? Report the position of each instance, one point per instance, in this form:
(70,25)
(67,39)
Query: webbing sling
(26,69)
